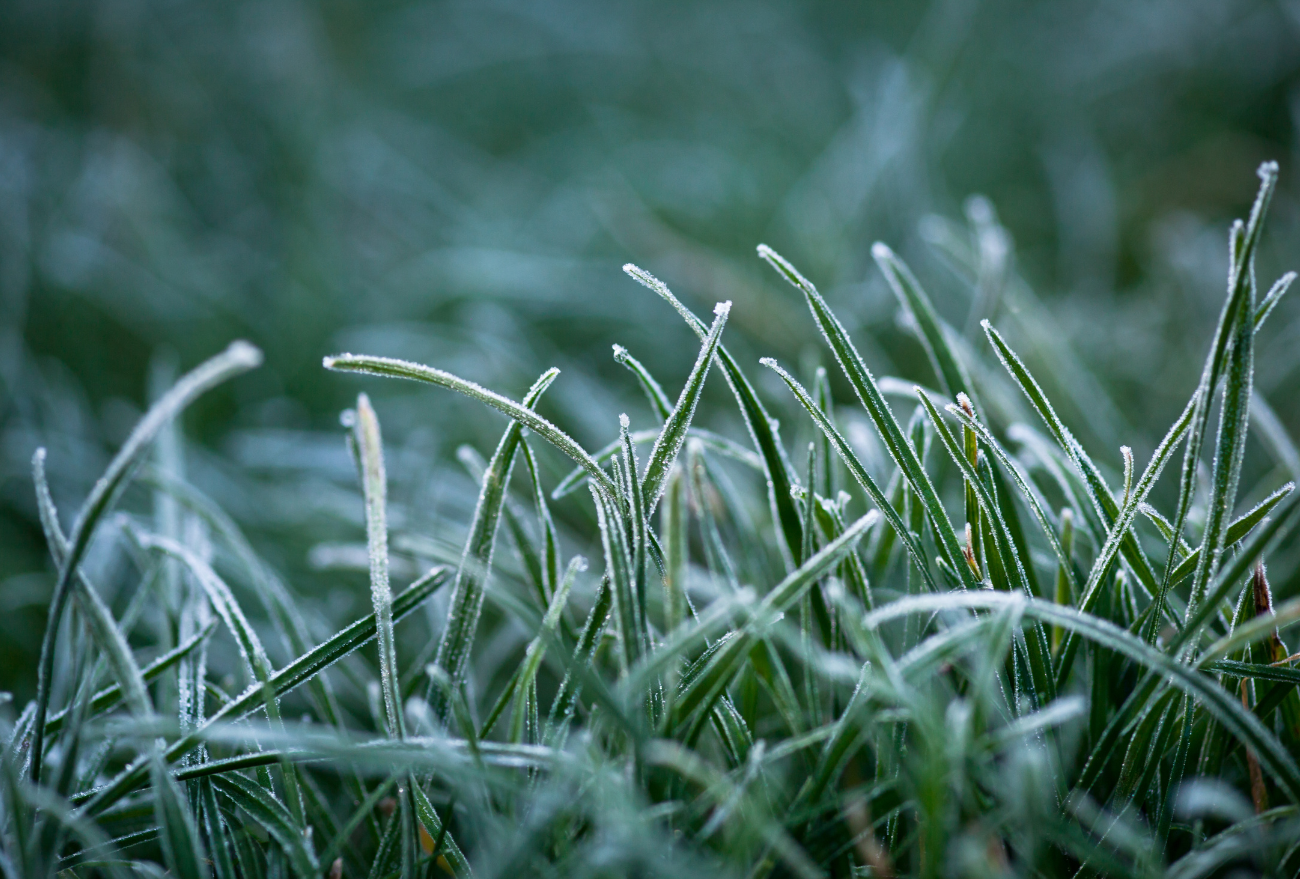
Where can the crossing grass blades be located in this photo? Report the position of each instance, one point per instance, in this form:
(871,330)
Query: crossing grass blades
(982,653)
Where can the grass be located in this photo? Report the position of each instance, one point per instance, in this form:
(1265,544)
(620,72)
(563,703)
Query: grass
(985,653)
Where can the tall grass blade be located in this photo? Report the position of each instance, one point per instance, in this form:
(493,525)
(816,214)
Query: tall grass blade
(476,560)
(669,444)
(864,385)
(239,357)
(762,427)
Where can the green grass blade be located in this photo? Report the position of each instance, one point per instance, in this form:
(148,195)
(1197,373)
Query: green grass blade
(182,848)
(104,629)
(214,827)
(1234,421)
(858,471)
(762,427)
(239,357)
(618,568)
(374,484)
(476,560)
(654,392)
(1272,298)
(864,385)
(391,368)
(669,444)
(1234,320)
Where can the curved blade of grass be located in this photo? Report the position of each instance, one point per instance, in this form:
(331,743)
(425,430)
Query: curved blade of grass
(762,427)
(618,568)
(1234,422)
(1103,503)
(669,444)
(1120,532)
(1239,528)
(637,529)
(476,560)
(389,367)
(858,471)
(1228,711)
(437,829)
(931,330)
(536,651)
(550,561)
(1272,298)
(104,629)
(566,698)
(239,357)
(215,829)
(701,690)
(250,646)
(1283,674)
(654,392)
(271,816)
(864,385)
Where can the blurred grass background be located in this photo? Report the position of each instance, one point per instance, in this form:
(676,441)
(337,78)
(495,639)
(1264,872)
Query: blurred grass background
(459,183)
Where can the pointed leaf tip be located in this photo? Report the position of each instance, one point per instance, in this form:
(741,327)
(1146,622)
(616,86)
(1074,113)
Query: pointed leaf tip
(623,421)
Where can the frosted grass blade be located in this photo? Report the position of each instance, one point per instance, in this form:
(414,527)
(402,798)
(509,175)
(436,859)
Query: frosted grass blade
(654,392)
(864,385)
(107,635)
(272,817)
(239,357)
(391,368)
(669,444)
(762,427)
(476,560)
(858,471)
(374,483)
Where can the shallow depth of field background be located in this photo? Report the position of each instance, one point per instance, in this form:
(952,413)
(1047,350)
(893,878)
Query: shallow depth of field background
(459,183)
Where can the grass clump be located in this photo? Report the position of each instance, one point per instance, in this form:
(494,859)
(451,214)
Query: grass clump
(980,653)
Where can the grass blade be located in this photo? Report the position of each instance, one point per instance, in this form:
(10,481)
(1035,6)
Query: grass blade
(762,427)
(476,560)
(858,471)
(669,444)
(864,385)
(239,357)
(391,368)
(932,332)
(374,482)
